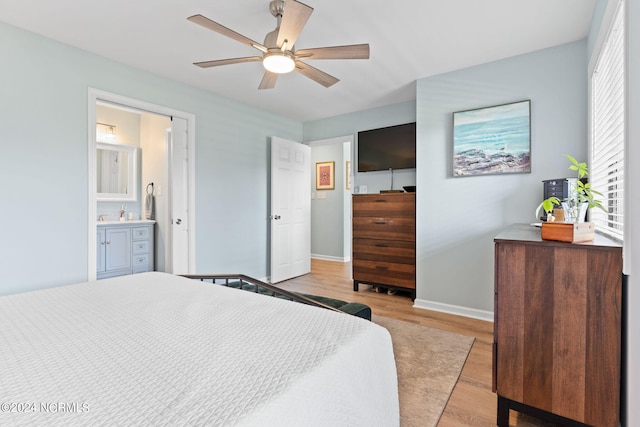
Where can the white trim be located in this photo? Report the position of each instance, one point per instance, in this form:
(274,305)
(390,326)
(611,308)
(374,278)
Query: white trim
(95,96)
(91,186)
(330,258)
(454,309)
(603,32)
(627,210)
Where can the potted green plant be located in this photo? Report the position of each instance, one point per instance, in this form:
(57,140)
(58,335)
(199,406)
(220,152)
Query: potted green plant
(582,196)
(548,205)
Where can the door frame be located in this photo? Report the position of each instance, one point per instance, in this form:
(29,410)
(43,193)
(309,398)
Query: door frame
(96,95)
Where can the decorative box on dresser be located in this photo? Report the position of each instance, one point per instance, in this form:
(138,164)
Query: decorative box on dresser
(384,240)
(124,247)
(557,328)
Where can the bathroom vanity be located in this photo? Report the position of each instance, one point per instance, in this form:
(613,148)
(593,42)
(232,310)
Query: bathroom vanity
(124,247)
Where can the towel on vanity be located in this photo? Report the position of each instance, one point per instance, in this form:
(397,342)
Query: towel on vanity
(150,207)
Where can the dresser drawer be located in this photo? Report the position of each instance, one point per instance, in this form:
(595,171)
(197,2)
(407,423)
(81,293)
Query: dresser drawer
(141,247)
(380,272)
(386,205)
(396,251)
(384,228)
(141,233)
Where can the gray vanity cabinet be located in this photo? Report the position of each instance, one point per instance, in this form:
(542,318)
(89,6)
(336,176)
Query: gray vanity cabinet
(124,248)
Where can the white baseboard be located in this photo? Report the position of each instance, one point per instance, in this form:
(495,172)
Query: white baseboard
(454,309)
(331,258)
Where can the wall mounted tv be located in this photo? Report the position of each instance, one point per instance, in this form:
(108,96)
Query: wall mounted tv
(392,147)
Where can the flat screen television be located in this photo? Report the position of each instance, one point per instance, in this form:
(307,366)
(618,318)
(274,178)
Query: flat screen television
(392,147)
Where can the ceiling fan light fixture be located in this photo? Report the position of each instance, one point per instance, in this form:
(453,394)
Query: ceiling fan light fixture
(278,62)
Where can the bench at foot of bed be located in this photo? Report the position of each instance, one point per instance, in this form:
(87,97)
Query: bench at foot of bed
(355,308)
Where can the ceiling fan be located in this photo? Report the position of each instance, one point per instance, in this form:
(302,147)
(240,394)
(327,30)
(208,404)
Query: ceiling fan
(278,52)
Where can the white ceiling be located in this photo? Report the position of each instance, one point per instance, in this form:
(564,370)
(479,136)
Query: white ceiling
(409,39)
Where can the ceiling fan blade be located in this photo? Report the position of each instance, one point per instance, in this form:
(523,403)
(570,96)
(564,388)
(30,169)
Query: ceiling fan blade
(294,18)
(268,80)
(354,51)
(316,75)
(217,62)
(221,29)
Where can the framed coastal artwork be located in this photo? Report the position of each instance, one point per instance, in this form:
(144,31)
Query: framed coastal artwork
(325,176)
(492,140)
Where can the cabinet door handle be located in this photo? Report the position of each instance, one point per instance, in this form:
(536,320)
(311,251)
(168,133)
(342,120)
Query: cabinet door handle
(108,243)
(102,243)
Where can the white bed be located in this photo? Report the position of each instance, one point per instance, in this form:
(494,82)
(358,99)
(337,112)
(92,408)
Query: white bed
(156,349)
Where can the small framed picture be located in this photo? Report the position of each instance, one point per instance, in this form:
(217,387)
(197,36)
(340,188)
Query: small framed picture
(325,175)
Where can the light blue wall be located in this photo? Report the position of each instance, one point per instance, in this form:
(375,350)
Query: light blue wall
(43,166)
(351,124)
(458,217)
(327,234)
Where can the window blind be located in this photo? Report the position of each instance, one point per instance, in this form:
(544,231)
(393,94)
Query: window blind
(608,129)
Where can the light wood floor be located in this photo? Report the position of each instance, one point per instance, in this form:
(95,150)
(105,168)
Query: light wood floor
(472,403)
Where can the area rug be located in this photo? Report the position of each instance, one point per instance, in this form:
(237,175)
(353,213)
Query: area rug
(429,362)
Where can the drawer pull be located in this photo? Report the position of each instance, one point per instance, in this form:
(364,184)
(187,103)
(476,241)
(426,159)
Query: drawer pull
(381,267)
(382,245)
(381,201)
(380,222)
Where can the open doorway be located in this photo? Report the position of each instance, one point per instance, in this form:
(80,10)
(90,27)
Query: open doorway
(164,139)
(331,209)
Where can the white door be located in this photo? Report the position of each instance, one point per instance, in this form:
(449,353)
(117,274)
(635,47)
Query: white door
(290,209)
(179,200)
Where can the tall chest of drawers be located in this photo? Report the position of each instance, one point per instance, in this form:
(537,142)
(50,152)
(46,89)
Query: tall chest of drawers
(384,240)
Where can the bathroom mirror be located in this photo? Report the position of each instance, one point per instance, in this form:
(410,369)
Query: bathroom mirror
(116,172)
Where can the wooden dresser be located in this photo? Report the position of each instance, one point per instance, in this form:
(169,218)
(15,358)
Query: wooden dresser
(557,328)
(384,240)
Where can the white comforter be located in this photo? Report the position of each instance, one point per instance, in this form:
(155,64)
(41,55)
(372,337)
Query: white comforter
(156,349)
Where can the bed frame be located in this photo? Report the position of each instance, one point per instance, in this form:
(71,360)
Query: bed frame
(240,281)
